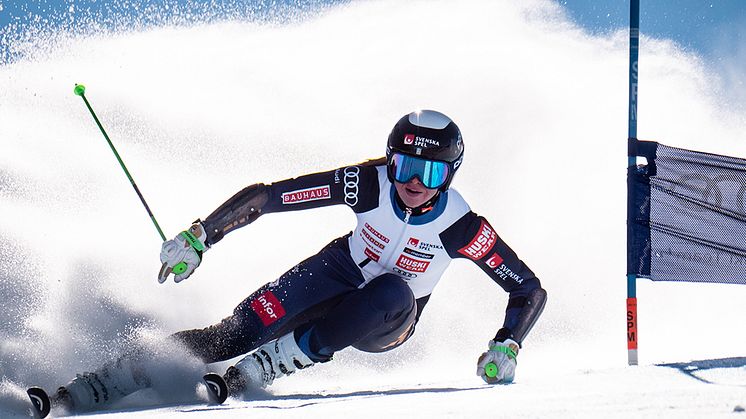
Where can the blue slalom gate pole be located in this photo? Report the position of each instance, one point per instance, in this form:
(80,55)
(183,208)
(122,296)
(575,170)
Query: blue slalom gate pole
(634,46)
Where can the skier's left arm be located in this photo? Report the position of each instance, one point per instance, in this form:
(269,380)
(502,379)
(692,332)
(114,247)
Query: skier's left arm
(473,238)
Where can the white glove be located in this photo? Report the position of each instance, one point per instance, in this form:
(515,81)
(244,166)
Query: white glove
(183,254)
(497,365)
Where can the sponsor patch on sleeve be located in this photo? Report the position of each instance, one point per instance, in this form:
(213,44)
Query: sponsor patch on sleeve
(306,195)
(494,261)
(481,244)
(268,308)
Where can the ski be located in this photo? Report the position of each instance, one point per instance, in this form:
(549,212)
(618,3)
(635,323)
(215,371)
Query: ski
(40,400)
(216,387)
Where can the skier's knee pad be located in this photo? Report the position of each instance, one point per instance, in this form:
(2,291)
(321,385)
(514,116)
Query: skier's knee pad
(389,335)
(390,294)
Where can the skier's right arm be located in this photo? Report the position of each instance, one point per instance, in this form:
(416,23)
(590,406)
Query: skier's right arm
(241,209)
(356,186)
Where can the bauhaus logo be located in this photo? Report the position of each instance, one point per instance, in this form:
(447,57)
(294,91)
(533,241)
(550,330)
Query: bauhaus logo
(306,195)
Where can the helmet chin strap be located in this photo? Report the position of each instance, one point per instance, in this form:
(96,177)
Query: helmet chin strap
(422,209)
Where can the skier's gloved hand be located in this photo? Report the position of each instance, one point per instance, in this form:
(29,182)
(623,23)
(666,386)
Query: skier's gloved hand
(183,254)
(497,365)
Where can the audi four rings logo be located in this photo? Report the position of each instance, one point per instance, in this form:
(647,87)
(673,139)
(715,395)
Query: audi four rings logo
(351,189)
(714,190)
(404,273)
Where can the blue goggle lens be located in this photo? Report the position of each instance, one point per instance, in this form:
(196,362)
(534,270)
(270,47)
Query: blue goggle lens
(432,174)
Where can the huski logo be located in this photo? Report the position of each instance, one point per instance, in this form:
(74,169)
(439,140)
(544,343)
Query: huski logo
(268,308)
(481,244)
(412,265)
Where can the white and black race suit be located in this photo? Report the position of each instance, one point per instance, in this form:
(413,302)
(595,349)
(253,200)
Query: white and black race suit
(392,261)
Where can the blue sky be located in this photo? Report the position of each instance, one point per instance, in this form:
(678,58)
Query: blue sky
(715,29)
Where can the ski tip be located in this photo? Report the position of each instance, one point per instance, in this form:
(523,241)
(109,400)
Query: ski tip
(79,90)
(216,387)
(40,400)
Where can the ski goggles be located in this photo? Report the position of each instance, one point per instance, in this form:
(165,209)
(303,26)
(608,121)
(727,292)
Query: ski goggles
(433,174)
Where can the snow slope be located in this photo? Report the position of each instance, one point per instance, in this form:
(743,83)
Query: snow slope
(197,112)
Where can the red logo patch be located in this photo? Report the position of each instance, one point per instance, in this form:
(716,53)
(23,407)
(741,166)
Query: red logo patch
(494,261)
(306,195)
(371,240)
(412,265)
(371,254)
(268,308)
(409,139)
(376,233)
(481,244)
(413,242)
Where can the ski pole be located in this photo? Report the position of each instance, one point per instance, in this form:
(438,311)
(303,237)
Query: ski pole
(80,91)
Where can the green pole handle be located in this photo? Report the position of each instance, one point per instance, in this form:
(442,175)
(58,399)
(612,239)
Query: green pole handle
(491,370)
(180,268)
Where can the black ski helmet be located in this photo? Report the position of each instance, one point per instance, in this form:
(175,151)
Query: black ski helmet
(428,135)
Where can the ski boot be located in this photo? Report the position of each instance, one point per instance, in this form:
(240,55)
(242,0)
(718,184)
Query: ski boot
(62,399)
(272,360)
(85,392)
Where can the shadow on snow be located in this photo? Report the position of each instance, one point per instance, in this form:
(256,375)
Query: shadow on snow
(692,367)
(314,399)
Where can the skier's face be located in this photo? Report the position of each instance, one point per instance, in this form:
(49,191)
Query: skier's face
(414,193)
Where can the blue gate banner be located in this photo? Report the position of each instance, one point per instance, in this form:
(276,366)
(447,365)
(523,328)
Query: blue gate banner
(686,215)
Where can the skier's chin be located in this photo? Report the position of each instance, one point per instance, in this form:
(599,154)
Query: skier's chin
(413,196)
(413,201)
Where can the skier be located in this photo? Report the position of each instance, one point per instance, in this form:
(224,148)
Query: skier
(366,289)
